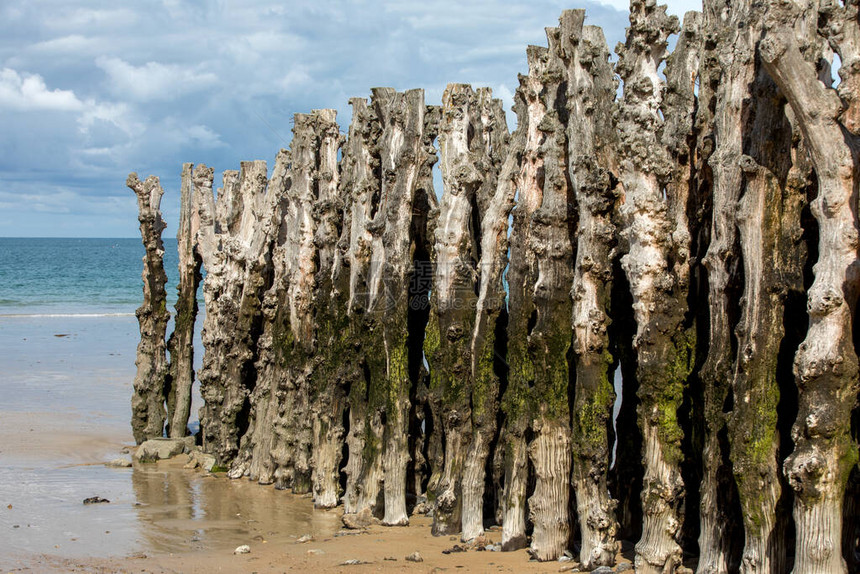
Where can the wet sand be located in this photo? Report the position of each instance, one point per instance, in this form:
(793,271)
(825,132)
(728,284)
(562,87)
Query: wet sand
(64,412)
(174,519)
(192,522)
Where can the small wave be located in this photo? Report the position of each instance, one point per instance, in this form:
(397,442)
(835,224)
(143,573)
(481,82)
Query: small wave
(63,315)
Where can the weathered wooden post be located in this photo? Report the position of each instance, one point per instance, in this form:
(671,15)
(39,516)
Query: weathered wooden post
(494,201)
(256,456)
(180,345)
(147,402)
(471,148)
(234,238)
(826,364)
(657,270)
(592,141)
(361,181)
(517,402)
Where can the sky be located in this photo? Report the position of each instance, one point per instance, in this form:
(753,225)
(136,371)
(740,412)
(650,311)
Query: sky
(92,90)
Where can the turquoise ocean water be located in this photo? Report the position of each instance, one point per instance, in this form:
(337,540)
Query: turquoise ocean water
(76,276)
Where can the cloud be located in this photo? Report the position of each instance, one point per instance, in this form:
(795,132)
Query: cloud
(677,7)
(152,81)
(147,86)
(73,43)
(28,92)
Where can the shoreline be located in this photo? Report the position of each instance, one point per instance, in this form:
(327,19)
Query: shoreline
(277,547)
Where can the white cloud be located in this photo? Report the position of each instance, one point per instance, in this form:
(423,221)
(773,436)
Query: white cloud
(74,43)
(67,17)
(27,92)
(119,115)
(153,80)
(297,77)
(677,7)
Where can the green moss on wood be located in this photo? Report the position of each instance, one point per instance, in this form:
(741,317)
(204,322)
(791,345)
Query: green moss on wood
(486,381)
(669,393)
(593,413)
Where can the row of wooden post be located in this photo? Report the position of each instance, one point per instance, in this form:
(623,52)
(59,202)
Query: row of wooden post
(691,242)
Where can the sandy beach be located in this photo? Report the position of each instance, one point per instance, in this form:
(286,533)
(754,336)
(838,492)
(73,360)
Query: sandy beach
(66,387)
(194,522)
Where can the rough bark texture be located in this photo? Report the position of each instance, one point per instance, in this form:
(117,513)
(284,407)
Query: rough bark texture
(256,458)
(735,57)
(331,371)
(494,199)
(181,342)
(454,296)
(471,142)
(425,214)
(656,267)
(294,425)
(768,222)
(400,118)
(591,147)
(517,402)
(543,222)
(826,364)
(235,239)
(362,185)
(147,402)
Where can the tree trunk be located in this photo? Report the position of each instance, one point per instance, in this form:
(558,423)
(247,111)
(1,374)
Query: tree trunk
(454,295)
(401,156)
(470,163)
(327,396)
(657,269)
(591,145)
(234,246)
(255,459)
(181,342)
(518,400)
(768,220)
(494,201)
(147,402)
(551,218)
(826,364)
(735,57)
(402,119)
(361,180)
(425,213)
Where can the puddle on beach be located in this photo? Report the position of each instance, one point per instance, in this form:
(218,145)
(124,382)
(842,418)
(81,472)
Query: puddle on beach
(64,411)
(158,508)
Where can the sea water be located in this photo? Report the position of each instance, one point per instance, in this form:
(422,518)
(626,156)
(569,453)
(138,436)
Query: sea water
(68,338)
(76,276)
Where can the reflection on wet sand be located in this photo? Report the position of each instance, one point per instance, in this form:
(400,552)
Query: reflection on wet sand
(180,510)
